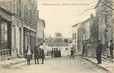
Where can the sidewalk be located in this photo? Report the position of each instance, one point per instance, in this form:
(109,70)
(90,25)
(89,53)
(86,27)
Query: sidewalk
(8,63)
(107,64)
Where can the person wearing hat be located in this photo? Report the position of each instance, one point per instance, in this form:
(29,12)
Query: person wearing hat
(99,51)
(72,53)
(111,48)
(42,56)
(36,54)
(28,53)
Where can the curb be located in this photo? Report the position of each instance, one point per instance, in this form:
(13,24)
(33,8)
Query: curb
(10,64)
(97,65)
(17,62)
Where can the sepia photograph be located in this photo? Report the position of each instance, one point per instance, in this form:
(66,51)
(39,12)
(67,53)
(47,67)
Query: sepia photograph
(56,36)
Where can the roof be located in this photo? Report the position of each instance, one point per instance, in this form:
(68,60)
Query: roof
(98,3)
(76,24)
(57,43)
(86,20)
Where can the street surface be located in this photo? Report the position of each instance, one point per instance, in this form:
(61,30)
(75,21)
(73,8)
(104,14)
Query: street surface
(55,65)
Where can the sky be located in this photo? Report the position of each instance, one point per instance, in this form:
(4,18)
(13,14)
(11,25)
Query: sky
(61,15)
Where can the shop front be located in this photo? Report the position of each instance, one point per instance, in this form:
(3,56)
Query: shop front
(5,33)
(29,38)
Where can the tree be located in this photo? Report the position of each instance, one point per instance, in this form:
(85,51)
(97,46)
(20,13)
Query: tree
(59,37)
(58,34)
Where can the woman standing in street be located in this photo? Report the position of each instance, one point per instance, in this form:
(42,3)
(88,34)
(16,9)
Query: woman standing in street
(28,53)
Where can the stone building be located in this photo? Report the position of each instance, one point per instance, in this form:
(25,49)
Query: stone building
(5,32)
(113,21)
(85,34)
(40,34)
(104,17)
(80,39)
(90,35)
(75,37)
(112,7)
(18,21)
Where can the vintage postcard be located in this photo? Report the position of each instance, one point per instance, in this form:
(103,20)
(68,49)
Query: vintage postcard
(56,36)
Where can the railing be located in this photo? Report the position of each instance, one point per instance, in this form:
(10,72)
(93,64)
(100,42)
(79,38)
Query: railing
(4,52)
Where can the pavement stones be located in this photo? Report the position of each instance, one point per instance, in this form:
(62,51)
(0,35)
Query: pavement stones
(8,63)
(107,65)
(11,62)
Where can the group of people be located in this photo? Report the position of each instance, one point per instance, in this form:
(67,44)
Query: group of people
(99,50)
(38,53)
(55,53)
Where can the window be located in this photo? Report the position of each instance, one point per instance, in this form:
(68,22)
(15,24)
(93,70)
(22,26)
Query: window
(4,34)
(75,35)
(14,6)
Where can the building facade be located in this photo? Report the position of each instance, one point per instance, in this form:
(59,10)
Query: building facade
(75,37)
(5,32)
(18,21)
(90,33)
(40,34)
(85,36)
(104,16)
(99,27)
(113,21)
(64,47)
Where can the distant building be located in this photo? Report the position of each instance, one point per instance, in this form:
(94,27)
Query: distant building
(40,30)
(75,37)
(63,46)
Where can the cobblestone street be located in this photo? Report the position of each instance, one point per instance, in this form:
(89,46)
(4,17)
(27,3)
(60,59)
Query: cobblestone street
(56,65)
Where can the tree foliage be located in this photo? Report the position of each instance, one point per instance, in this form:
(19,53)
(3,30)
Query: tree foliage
(58,37)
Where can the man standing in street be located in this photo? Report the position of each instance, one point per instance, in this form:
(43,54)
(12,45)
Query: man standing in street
(72,53)
(99,51)
(52,53)
(42,56)
(111,49)
(36,54)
